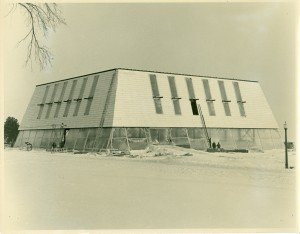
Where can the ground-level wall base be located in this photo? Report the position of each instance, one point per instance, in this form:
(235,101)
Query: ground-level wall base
(126,139)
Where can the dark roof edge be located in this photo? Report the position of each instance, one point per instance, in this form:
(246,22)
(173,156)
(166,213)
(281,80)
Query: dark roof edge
(182,74)
(78,76)
(139,70)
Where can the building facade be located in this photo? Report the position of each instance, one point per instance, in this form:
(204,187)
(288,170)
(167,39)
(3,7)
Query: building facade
(130,109)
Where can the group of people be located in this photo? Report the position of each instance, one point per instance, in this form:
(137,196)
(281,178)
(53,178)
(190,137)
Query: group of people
(214,145)
(61,145)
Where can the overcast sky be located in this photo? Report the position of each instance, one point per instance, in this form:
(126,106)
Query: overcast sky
(253,41)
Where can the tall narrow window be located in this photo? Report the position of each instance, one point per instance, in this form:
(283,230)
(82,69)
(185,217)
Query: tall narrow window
(193,99)
(69,100)
(189,83)
(239,99)
(225,100)
(79,99)
(155,92)
(43,103)
(91,95)
(60,99)
(209,99)
(174,94)
(51,101)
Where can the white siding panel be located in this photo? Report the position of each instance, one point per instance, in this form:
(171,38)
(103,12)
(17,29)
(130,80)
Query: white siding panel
(30,120)
(132,105)
(135,106)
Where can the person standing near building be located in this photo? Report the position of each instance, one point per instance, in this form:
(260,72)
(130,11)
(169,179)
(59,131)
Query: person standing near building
(53,146)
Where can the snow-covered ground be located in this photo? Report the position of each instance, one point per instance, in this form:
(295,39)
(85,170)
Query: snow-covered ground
(172,191)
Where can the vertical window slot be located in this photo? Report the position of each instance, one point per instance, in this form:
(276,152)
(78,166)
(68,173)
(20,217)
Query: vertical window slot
(69,101)
(239,99)
(155,93)
(176,105)
(209,99)
(79,99)
(211,108)
(60,99)
(189,83)
(40,111)
(225,101)
(45,94)
(173,88)
(91,95)
(207,89)
(174,94)
(227,108)
(237,91)
(222,90)
(154,86)
(241,108)
(51,101)
(192,96)
(43,103)
(158,106)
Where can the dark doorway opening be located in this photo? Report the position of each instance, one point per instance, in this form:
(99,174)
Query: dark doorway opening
(63,139)
(194,107)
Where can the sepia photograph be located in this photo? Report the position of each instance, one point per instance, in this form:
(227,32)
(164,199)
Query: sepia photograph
(149,116)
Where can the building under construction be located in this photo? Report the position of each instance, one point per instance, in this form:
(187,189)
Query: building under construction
(129,109)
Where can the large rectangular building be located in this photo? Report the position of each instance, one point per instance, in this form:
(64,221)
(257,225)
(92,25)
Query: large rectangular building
(129,109)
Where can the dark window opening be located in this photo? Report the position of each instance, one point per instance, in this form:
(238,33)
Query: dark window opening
(193,99)
(194,107)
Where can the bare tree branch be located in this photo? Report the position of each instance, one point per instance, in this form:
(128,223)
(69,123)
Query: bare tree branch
(42,18)
(13,8)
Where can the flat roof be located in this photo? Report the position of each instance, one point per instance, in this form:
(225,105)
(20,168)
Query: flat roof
(148,71)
